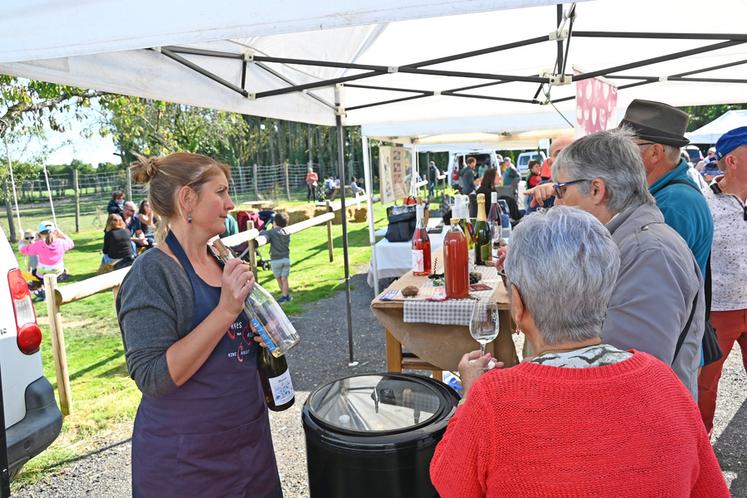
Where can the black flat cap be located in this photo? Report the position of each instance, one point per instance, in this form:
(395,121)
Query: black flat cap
(657,122)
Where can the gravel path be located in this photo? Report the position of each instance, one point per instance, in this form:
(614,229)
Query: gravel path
(322,356)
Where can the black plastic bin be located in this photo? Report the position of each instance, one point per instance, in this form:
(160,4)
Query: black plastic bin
(374,435)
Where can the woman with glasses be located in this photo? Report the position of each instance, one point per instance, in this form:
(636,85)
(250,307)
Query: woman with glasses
(581,417)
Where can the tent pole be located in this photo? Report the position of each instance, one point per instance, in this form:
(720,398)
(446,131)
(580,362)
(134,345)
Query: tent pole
(339,111)
(367,173)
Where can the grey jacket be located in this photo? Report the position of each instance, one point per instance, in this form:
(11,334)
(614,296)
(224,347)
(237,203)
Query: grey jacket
(658,282)
(154,308)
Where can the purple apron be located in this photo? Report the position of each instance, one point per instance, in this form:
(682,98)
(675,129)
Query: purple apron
(210,437)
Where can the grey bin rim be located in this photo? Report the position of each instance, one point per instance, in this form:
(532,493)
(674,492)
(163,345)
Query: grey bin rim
(443,392)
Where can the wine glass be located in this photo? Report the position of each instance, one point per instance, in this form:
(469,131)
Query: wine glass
(483,326)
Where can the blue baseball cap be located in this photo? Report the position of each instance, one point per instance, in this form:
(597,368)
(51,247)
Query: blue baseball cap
(45,226)
(730,141)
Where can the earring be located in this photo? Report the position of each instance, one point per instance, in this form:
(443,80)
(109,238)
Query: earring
(189,218)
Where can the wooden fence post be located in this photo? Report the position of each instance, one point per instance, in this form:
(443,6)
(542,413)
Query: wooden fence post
(330,247)
(287,180)
(76,186)
(58,345)
(254,180)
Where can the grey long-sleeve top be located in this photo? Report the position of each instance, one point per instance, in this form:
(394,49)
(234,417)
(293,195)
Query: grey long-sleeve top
(657,284)
(154,308)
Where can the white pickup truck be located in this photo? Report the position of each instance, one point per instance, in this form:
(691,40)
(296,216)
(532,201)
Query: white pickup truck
(32,418)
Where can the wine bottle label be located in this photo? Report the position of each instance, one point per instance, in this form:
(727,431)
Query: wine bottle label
(260,329)
(282,388)
(417,260)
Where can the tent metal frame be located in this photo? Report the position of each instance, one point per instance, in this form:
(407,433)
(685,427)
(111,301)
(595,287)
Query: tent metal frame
(561,36)
(728,40)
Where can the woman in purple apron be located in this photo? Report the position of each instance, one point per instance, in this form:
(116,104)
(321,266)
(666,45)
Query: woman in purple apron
(202,428)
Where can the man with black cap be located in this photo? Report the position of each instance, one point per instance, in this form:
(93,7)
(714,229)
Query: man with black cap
(659,129)
(727,199)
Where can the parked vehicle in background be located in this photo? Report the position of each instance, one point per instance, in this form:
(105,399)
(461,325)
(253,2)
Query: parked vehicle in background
(522,162)
(32,418)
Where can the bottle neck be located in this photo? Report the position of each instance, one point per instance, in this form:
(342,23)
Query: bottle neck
(419,216)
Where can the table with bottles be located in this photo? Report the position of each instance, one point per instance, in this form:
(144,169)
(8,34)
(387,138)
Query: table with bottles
(441,335)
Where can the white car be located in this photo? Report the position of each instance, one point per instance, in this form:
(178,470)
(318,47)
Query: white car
(32,418)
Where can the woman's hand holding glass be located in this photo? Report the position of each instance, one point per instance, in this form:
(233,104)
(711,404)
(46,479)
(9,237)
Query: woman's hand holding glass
(473,365)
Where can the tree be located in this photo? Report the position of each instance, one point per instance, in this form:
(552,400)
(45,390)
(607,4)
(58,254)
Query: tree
(26,107)
(704,114)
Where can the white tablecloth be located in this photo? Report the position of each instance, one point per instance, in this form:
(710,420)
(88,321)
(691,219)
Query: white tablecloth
(394,259)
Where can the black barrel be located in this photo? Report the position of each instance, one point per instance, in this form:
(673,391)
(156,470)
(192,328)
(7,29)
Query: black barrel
(374,435)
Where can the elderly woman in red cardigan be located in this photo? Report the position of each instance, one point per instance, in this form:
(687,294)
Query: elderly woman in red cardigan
(581,418)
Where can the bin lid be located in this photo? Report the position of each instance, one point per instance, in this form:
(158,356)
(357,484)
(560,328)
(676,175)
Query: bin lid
(376,404)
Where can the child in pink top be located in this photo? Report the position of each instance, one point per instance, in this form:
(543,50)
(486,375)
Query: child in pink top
(50,248)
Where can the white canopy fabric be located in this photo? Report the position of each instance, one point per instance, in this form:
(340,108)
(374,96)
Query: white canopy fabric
(113,46)
(506,132)
(710,133)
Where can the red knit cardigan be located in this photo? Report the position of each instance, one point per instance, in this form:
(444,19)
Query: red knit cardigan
(625,430)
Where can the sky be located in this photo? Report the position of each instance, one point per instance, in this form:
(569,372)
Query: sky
(69,145)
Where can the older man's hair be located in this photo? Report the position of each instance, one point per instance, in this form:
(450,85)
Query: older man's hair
(612,156)
(131,205)
(564,264)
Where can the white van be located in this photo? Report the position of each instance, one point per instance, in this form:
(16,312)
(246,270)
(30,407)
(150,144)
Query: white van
(32,418)
(522,162)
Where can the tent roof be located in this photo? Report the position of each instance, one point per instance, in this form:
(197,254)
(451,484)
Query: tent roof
(710,133)
(152,49)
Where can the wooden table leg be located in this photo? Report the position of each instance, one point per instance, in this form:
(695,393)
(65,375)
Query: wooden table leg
(393,353)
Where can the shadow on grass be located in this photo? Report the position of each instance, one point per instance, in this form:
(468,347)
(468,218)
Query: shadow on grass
(96,365)
(118,371)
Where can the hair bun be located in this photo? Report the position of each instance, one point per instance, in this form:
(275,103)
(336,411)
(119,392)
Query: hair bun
(144,169)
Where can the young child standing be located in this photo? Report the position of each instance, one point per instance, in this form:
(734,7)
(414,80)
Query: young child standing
(280,253)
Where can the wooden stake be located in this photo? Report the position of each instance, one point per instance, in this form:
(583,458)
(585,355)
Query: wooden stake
(58,345)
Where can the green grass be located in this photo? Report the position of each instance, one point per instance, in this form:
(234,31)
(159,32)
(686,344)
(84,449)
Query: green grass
(104,397)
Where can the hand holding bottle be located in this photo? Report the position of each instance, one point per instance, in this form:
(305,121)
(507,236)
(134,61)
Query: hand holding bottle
(237,282)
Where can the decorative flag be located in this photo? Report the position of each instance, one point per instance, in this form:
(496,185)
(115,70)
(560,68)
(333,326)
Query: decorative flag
(596,100)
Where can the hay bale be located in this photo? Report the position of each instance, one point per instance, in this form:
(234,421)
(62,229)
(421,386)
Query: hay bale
(361,214)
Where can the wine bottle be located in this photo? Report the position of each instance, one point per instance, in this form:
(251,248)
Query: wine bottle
(483,241)
(456,271)
(421,246)
(494,218)
(276,381)
(265,315)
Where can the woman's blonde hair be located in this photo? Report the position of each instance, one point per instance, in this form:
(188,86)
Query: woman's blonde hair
(113,222)
(164,176)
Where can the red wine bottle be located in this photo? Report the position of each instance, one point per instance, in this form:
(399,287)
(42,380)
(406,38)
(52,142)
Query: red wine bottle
(421,247)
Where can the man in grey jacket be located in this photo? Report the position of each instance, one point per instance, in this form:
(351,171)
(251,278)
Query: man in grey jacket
(659,288)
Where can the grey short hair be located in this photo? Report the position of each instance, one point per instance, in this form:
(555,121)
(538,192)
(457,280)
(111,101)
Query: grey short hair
(672,154)
(131,205)
(612,156)
(564,264)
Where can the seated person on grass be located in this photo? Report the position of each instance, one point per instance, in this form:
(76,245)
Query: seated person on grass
(280,253)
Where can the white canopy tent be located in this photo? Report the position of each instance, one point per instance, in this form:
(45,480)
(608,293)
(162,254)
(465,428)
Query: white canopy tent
(349,62)
(710,133)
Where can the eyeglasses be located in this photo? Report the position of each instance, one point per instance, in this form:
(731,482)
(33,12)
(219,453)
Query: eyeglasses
(28,238)
(560,187)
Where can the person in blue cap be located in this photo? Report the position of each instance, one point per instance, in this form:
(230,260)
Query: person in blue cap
(727,200)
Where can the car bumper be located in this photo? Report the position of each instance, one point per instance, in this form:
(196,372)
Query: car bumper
(38,429)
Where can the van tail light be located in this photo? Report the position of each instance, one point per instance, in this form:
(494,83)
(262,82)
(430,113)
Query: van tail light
(28,332)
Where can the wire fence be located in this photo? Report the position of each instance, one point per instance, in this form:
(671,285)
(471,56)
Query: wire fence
(251,182)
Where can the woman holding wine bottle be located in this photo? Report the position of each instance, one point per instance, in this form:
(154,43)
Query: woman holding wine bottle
(202,423)
(581,417)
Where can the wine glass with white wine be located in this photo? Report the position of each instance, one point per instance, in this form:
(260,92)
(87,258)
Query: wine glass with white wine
(483,326)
